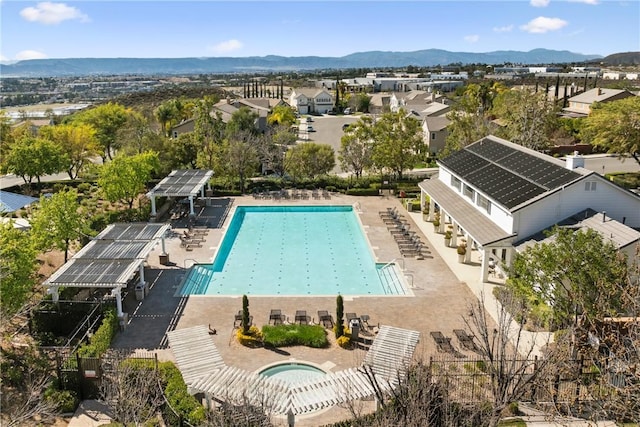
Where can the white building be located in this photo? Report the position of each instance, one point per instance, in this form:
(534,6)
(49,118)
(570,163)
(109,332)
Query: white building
(311,100)
(497,194)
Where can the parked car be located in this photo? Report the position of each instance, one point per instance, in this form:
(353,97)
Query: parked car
(347,110)
(310,128)
(345,126)
(309,119)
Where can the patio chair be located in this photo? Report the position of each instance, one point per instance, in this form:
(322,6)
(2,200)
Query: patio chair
(276,316)
(325,319)
(301,317)
(237,322)
(466,340)
(443,343)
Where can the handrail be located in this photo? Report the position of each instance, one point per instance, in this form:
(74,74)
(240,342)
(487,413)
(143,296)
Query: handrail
(195,262)
(357,206)
(394,261)
(410,275)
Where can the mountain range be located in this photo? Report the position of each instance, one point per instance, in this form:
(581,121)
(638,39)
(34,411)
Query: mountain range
(271,63)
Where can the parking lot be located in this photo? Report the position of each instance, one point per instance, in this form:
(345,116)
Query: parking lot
(326,130)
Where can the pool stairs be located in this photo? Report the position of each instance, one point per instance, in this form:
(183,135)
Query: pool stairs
(391,278)
(198,280)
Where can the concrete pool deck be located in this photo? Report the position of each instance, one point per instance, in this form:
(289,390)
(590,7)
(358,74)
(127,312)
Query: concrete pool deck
(440,302)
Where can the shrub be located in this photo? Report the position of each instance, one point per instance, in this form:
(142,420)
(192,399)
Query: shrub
(101,339)
(179,399)
(363,192)
(344,341)
(253,338)
(462,249)
(64,400)
(339,326)
(448,234)
(287,335)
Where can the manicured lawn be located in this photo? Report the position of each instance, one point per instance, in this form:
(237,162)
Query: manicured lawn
(287,335)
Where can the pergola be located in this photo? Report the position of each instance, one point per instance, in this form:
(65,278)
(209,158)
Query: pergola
(110,260)
(181,183)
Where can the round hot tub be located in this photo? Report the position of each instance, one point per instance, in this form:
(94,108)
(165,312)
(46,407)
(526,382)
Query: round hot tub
(293,372)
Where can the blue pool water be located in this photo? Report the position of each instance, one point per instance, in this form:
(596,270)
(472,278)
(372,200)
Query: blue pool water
(291,250)
(294,373)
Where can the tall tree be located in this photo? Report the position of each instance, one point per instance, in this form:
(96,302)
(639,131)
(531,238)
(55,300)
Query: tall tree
(356,147)
(18,267)
(243,120)
(124,178)
(77,141)
(57,222)
(34,157)
(168,114)
(530,118)
(397,140)
(107,120)
(309,160)
(241,156)
(274,146)
(184,150)
(615,127)
(281,115)
(577,274)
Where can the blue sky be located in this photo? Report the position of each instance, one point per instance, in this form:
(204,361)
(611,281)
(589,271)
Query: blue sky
(173,29)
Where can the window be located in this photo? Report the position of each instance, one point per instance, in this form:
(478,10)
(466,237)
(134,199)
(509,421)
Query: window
(469,192)
(590,186)
(433,136)
(456,183)
(484,203)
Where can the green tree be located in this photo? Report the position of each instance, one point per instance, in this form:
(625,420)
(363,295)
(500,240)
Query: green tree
(34,157)
(107,120)
(246,317)
(361,102)
(615,126)
(309,160)
(18,266)
(57,222)
(578,273)
(168,115)
(78,143)
(243,120)
(530,118)
(274,146)
(125,177)
(209,131)
(468,123)
(339,316)
(397,140)
(241,155)
(281,115)
(184,150)
(356,147)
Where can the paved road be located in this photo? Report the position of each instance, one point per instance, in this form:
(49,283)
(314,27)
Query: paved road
(10,180)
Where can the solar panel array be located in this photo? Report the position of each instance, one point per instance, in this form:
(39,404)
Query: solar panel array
(508,175)
(108,250)
(95,273)
(183,182)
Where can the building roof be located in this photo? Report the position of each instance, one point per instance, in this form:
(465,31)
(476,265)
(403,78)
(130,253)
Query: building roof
(132,231)
(10,202)
(182,183)
(598,95)
(508,173)
(311,92)
(435,108)
(437,123)
(611,230)
(479,226)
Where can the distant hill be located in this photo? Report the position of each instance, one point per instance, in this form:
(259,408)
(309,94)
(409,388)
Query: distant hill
(625,58)
(375,59)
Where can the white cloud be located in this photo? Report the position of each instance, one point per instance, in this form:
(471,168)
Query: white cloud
(594,2)
(504,29)
(3,58)
(49,13)
(543,24)
(539,3)
(30,54)
(227,46)
(472,38)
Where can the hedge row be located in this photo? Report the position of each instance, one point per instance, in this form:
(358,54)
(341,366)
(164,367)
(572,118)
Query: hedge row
(101,340)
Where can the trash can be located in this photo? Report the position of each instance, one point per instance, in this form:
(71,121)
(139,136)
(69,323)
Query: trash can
(354,325)
(164,259)
(140,291)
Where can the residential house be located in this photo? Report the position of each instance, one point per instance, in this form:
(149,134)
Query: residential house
(495,194)
(379,103)
(435,133)
(311,100)
(435,109)
(580,105)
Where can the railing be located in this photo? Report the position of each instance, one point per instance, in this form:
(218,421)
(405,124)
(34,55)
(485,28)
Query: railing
(195,262)
(410,275)
(396,281)
(357,207)
(394,261)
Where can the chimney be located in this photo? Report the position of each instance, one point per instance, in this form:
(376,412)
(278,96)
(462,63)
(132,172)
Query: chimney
(604,216)
(574,160)
(599,91)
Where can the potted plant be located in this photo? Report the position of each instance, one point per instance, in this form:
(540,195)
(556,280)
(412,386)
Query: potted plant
(436,221)
(447,237)
(462,251)
(425,213)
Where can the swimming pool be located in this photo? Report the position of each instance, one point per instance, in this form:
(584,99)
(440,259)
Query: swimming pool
(293,373)
(293,250)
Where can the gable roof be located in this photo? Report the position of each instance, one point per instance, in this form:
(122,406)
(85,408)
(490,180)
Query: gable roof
(310,92)
(598,95)
(436,123)
(611,230)
(435,109)
(509,173)
(10,202)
